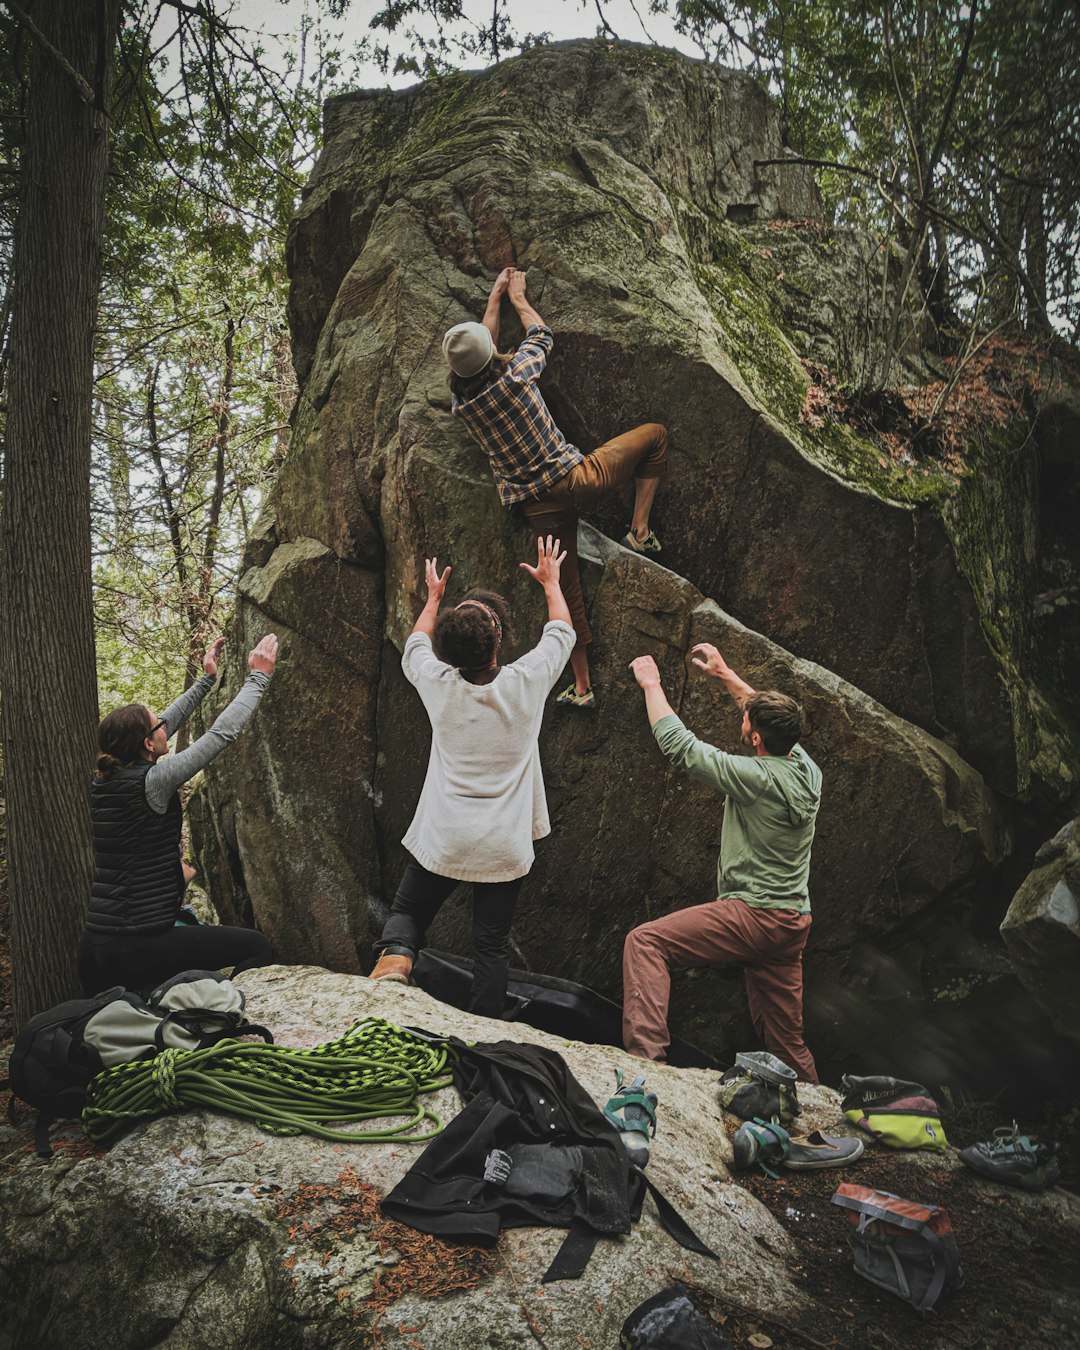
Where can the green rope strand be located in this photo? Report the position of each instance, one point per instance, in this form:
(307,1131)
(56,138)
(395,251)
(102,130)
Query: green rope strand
(376,1071)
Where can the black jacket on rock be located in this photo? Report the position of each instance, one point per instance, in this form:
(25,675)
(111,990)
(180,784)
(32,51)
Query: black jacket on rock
(531,1148)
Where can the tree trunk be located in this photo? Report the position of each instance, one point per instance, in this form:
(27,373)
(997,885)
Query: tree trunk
(1035,254)
(47,668)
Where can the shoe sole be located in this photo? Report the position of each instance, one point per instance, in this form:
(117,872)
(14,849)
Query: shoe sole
(1026,1181)
(392,979)
(811,1165)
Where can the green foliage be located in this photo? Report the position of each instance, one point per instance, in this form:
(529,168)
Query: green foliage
(950,129)
(194,380)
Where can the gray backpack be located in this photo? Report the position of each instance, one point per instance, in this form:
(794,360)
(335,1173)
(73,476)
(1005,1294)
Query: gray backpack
(59,1051)
(904,1246)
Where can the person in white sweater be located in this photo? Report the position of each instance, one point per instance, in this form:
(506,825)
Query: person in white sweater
(483,804)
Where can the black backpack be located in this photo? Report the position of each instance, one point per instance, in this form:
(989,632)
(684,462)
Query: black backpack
(59,1051)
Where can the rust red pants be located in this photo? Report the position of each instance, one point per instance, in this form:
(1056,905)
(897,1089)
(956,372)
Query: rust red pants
(768,943)
(641,453)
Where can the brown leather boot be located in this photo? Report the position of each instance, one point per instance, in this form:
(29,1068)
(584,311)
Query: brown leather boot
(396,968)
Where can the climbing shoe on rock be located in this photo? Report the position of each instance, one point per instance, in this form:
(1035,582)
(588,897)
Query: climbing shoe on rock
(822,1150)
(393,967)
(762,1143)
(1015,1159)
(632,1111)
(650,544)
(570,698)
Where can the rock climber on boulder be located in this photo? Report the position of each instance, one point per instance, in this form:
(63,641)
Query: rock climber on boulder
(495,394)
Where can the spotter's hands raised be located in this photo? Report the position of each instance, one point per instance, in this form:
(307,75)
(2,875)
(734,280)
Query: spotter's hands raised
(549,561)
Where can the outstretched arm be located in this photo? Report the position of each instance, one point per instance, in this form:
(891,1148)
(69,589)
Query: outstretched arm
(516,291)
(707,658)
(735,775)
(178,712)
(491,314)
(549,563)
(164,777)
(648,677)
(436,589)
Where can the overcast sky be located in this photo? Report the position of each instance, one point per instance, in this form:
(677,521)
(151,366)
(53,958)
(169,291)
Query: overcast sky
(561,18)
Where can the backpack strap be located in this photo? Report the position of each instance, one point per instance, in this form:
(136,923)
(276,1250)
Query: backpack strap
(41,1135)
(937,1284)
(195,1020)
(778,1144)
(675,1225)
(942,1257)
(574,1254)
(578,1246)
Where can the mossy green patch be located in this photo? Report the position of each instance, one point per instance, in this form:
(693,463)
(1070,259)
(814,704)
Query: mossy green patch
(741,290)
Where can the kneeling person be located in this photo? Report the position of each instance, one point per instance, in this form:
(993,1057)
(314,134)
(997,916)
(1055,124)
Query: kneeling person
(761,917)
(132,938)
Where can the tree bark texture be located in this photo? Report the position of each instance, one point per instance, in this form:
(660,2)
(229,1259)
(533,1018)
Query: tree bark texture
(47,665)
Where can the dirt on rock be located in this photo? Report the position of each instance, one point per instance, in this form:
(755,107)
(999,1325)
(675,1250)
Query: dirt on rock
(1018,1255)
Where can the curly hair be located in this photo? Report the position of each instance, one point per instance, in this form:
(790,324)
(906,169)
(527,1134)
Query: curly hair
(466,637)
(776,718)
(120,737)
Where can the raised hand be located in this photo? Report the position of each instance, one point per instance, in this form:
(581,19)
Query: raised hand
(500,284)
(436,585)
(263,656)
(213,655)
(516,286)
(645,672)
(708,658)
(549,561)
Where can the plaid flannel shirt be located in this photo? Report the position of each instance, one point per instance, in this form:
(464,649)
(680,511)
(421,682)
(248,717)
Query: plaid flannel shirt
(527,452)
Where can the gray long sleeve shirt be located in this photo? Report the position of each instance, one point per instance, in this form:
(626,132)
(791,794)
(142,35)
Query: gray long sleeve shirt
(164,777)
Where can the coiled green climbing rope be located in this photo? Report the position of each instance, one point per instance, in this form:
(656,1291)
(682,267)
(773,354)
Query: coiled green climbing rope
(376,1071)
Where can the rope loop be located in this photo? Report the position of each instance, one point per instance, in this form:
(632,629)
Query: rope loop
(374,1072)
(163,1077)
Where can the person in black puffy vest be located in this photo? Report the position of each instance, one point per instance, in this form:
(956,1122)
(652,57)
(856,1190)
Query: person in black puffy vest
(132,936)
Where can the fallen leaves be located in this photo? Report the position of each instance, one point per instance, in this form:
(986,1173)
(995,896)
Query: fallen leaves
(424,1265)
(934,422)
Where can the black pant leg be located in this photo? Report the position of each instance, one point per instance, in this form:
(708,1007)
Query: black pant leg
(493,916)
(142,960)
(419,898)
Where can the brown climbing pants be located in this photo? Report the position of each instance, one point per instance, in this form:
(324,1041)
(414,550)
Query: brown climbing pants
(641,453)
(768,943)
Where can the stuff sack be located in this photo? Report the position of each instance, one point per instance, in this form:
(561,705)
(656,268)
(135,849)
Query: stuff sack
(60,1050)
(760,1087)
(670,1321)
(190,1011)
(903,1246)
(898,1113)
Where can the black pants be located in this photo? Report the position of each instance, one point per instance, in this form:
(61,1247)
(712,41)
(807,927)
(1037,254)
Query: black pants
(420,897)
(142,960)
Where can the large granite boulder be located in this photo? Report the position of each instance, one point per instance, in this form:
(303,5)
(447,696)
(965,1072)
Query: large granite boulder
(1042,930)
(625,181)
(199,1230)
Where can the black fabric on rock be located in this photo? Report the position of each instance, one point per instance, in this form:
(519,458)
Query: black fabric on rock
(568,1166)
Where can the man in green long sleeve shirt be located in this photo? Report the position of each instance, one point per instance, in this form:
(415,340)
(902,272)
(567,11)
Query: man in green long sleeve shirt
(761,917)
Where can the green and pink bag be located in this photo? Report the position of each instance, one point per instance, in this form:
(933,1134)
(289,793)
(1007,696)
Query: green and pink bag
(895,1112)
